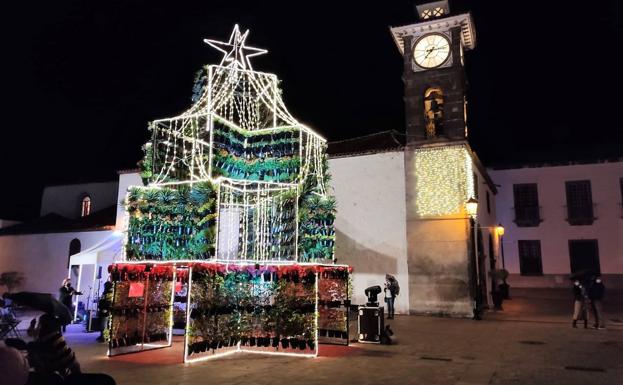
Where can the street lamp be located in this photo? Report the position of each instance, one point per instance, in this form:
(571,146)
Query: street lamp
(471,207)
(500,231)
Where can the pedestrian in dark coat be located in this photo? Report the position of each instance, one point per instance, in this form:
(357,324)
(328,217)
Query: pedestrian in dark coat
(580,310)
(596,292)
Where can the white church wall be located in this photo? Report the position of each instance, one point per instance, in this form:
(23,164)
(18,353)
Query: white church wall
(370,222)
(126,180)
(66,200)
(554,232)
(43,258)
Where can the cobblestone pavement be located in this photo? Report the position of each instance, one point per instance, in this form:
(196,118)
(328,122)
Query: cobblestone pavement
(530,342)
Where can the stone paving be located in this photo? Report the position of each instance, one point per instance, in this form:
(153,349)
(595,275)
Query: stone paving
(515,346)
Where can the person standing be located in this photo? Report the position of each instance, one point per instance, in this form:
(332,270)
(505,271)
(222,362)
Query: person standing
(580,310)
(388,300)
(596,294)
(65,296)
(103,309)
(391,291)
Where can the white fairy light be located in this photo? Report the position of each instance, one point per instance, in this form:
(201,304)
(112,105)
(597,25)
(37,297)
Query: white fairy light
(443,180)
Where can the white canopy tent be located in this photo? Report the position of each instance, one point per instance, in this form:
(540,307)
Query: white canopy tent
(92,265)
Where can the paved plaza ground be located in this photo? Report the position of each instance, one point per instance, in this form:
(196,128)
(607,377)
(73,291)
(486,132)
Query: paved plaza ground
(530,342)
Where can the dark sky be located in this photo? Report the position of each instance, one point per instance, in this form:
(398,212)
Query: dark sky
(81,79)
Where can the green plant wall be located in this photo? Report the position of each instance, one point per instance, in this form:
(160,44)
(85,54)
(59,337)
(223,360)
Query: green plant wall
(171,224)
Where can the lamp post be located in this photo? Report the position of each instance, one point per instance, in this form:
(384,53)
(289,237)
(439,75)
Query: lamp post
(500,231)
(471,207)
(504,287)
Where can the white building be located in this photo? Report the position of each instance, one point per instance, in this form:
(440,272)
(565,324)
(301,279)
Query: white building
(74,218)
(561,219)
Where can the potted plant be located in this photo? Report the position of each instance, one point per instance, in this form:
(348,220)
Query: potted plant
(504,286)
(499,289)
(294,343)
(285,343)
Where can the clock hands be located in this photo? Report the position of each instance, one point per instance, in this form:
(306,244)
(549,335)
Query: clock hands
(429,51)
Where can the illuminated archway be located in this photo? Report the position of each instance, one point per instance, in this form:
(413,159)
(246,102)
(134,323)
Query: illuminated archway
(433,112)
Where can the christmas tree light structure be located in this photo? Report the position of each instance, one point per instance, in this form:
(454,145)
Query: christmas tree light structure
(236,206)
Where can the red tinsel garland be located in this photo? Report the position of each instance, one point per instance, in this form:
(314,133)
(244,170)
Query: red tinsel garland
(165,272)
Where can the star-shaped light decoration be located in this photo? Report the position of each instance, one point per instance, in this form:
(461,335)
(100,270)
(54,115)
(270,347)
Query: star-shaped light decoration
(236,53)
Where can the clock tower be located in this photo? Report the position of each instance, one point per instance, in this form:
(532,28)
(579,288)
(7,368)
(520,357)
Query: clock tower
(434,76)
(441,170)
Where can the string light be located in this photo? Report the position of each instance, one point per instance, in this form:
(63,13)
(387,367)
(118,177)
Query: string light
(443,180)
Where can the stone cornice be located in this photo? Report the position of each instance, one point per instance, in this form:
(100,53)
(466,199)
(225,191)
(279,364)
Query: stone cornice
(468,32)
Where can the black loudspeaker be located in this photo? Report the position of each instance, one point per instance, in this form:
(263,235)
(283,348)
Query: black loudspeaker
(370,323)
(99,272)
(94,324)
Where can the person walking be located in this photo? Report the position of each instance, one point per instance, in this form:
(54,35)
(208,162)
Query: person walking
(580,310)
(65,295)
(596,292)
(391,291)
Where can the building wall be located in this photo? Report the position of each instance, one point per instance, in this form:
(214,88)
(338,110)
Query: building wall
(66,200)
(125,181)
(7,223)
(370,222)
(442,267)
(554,231)
(43,258)
(487,223)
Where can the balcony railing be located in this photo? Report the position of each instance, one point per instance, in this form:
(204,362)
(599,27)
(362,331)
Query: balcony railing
(527,216)
(581,215)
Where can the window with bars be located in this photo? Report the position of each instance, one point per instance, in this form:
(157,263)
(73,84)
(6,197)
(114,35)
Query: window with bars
(526,200)
(579,202)
(584,256)
(530,257)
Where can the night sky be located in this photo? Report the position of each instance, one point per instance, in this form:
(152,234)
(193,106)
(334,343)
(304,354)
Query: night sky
(81,79)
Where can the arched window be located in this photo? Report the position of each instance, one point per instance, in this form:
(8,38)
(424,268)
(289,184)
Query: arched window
(86,206)
(433,112)
(74,248)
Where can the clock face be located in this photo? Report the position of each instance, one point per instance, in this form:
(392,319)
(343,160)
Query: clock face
(431,50)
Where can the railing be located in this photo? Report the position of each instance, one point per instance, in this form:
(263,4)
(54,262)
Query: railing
(527,216)
(581,215)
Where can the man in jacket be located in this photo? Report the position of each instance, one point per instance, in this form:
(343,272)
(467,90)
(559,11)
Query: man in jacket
(596,292)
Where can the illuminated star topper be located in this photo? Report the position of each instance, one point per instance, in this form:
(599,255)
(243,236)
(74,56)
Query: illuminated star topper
(236,53)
